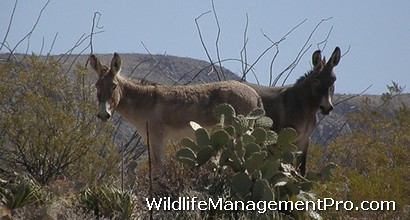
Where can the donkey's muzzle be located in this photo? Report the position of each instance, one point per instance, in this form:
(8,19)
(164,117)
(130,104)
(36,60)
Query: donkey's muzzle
(326,111)
(104,117)
(103,112)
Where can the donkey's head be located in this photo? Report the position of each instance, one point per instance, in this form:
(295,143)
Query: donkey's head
(108,93)
(324,78)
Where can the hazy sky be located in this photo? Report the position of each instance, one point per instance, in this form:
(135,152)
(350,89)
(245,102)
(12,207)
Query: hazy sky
(377,32)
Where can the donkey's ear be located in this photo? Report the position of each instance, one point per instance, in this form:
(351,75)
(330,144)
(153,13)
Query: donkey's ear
(116,63)
(96,64)
(335,58)
(317,59)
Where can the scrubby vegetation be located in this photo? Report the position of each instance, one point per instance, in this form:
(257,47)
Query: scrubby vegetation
(58,161)
(373,159)
(48,128)
(48,131)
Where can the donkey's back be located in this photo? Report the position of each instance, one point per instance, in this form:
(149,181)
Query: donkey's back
(180,104)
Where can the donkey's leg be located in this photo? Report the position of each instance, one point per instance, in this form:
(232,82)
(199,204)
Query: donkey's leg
(302,144)
(156,137)
(301,163)
(301,159)
(155,155)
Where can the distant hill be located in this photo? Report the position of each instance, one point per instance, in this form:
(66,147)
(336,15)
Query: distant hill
(164,69)
(167,69)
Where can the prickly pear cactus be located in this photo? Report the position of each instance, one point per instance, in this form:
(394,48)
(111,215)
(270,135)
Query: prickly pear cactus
(260,159)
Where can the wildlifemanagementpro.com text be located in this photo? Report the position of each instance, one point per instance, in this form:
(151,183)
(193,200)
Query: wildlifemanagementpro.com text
(193,203)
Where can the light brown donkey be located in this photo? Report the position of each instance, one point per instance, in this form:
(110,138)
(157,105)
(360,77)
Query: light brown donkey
(167,109)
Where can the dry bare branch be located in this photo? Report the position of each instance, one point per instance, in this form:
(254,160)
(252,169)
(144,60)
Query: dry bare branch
(354,96)
(42,46)
(52,44)
(324,42)
(217,41)
(32,29)
(136,66)
(9,26)
(276,44)
(149,169)
(157,64)
(203,43)
(243,53)
(300,54)
(68,54)
(51,47)
(347,51)
(95,25)
(212,69)
(293,65)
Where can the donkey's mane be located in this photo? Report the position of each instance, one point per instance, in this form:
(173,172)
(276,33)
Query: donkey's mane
(309,74)
(306,76)
(138,81)
(142,81)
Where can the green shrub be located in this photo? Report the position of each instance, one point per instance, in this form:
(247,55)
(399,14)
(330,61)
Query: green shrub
(22,191)
(108,201)
(47,126)
(373,158)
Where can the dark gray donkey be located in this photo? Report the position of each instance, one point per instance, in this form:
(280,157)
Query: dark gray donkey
(296,105)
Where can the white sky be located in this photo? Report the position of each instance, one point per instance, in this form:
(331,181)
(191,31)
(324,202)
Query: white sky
(378,33)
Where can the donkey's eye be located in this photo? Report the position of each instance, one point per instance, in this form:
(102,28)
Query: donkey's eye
(113,87)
